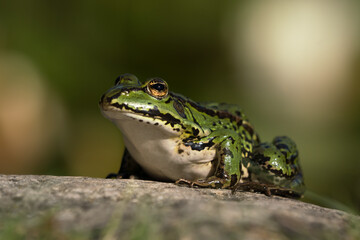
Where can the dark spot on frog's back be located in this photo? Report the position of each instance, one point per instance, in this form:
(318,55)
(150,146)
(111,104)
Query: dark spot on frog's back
(239,122)
(179,108)
(260,158)
(180,151)
(282,146)
(248,128)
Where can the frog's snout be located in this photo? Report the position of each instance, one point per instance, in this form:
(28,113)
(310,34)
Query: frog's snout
(104,101)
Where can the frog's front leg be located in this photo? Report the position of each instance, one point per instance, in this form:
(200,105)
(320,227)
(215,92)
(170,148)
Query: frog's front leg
(129,169)
(227,165)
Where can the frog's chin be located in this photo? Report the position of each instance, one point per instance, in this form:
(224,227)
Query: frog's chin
(122,118)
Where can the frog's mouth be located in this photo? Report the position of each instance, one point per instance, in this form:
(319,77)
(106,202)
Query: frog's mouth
(152,115)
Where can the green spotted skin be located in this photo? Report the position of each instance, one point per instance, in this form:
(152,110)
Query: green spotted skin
(240,161)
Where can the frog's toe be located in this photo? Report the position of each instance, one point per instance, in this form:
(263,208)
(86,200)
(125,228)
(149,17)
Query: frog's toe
(188,183)
(192,184)
(211,182)
(183,182)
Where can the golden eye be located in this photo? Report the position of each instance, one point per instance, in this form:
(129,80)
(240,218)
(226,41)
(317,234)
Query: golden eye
(157,88)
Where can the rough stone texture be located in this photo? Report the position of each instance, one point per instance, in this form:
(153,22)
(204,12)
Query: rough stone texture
(91,208)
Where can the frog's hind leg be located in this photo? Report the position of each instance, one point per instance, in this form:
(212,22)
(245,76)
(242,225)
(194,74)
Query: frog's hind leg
(129,169)
(274,169)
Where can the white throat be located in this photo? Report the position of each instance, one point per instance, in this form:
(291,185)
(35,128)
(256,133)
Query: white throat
(159,150)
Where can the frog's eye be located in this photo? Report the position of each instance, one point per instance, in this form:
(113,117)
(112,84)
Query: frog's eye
(127,78)
(157,88)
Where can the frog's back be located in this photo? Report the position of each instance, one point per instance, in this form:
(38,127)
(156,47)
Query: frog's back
(232,109)
(235,116)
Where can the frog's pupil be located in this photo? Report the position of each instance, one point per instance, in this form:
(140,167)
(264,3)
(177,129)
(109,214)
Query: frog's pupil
(158,87)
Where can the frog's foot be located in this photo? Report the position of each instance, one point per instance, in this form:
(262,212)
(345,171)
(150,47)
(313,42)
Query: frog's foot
(253,187)
(211,182)
(266,189)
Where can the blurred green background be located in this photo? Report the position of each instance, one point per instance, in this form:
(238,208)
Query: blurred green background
(293,66)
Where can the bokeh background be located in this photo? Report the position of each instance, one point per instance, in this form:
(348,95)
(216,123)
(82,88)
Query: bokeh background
(293,66)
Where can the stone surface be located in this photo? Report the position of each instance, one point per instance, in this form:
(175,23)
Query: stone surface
(92,208)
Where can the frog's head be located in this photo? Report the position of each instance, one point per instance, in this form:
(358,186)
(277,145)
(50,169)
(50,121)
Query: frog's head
(149,103)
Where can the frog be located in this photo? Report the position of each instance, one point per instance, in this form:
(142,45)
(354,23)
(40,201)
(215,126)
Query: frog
(169,137)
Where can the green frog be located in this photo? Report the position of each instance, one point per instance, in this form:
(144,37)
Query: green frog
(169,137)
